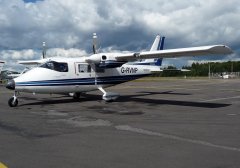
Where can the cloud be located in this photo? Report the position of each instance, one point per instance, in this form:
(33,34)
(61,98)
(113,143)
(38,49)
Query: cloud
(29,54)
(121,25)
(16,55)
(13,56)
(61,52)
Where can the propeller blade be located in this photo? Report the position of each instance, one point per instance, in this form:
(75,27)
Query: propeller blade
(94,43)
(44,50)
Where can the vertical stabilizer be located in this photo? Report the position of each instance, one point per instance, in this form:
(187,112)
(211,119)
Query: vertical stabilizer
(161,43)
(158,61)
(156,43)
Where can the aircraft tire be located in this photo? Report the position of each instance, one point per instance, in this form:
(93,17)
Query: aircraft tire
(12,103)
(76,95)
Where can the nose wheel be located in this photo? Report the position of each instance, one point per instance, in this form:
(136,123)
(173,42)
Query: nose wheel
(13,101)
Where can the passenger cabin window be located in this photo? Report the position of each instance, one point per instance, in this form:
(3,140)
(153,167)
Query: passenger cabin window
(56,66)
(83,68)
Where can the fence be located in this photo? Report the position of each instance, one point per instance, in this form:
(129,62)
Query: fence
(225,75)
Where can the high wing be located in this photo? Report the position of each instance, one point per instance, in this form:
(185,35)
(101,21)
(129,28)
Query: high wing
(180,52)
(32,62)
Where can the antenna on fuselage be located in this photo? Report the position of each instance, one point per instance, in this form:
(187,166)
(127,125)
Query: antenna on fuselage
(43,50)
(94,43)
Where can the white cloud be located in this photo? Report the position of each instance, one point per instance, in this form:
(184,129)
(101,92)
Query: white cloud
(16,55)
(61,52)
(121,25)
(69,23)
(13,56)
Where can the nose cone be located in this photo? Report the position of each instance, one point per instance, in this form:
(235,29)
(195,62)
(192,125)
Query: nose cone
(11,85)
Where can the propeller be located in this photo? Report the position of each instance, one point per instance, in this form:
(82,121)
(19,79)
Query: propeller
(43,50)
(94,43)
(94,52)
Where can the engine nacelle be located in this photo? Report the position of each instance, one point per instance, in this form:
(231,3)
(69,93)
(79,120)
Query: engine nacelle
(110,64)
(104,61)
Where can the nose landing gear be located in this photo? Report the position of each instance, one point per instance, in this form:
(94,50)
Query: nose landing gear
(13,101)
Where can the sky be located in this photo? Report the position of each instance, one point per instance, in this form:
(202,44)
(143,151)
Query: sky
(121,25)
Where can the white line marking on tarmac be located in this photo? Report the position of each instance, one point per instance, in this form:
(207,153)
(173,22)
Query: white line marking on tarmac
(223,98)
(85,122)
(232,114)
(174,137)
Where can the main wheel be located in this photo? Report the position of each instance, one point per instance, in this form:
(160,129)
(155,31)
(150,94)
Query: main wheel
(13,102)
(76,95)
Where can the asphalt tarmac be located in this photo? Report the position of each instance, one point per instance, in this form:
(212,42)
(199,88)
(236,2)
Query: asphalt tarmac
(167,123)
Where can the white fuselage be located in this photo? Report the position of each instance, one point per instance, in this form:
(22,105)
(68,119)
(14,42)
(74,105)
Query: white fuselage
(79,77)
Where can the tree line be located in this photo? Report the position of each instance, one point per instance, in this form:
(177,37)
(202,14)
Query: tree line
(201,69)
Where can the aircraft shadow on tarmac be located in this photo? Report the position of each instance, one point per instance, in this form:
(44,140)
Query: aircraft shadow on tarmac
(158,101)
(50,101)
(138,97)
(165,92)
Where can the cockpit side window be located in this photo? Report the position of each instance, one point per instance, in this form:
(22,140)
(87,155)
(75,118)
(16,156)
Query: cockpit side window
(56,66)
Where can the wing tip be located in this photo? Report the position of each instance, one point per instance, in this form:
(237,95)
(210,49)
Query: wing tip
(221,49)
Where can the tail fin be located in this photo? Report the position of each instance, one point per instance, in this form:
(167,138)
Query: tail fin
(158,61)
(161,43)
(158,44)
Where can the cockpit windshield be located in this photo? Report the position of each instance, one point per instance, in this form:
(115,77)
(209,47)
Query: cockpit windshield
(56,66)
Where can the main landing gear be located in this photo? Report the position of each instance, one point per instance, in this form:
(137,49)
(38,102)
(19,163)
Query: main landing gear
(13,101)
(108,96)
(75,95)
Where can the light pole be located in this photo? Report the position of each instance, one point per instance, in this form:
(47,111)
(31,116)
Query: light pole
(209,70)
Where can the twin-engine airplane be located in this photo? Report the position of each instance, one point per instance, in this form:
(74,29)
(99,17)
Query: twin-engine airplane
(100,70)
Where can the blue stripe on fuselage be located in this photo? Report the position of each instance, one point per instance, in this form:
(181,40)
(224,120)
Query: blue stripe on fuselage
(82,81)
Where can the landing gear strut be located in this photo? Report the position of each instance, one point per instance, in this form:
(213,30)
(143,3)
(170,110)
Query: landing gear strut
(13,101)
(108,96)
